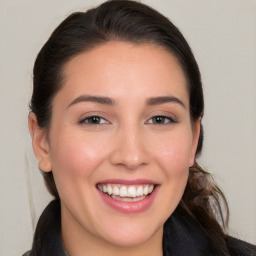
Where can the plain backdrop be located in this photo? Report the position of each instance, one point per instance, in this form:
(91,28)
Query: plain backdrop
(222,35)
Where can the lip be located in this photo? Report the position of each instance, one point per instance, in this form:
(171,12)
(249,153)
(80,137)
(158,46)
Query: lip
(129,207)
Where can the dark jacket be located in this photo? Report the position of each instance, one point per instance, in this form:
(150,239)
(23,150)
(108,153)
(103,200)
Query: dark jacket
(182,237)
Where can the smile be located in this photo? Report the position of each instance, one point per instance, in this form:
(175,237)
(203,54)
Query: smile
(128,196)
(127,193)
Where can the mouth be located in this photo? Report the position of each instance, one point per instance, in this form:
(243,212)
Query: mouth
(127,193)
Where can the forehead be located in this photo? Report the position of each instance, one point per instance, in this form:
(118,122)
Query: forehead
(119,69)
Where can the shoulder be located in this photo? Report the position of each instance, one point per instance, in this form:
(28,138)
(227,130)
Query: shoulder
(47,237)
(26,253)
(238,247)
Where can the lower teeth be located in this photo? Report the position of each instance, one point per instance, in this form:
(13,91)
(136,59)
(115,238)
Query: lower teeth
(128,199)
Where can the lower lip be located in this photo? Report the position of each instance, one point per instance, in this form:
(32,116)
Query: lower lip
(129,207)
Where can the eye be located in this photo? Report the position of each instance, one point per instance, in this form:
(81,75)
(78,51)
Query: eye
(161,120)
(93,120)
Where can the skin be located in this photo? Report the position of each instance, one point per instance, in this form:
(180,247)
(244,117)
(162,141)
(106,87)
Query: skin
(126,144)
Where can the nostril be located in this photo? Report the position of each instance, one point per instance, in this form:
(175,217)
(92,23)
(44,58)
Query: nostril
(129,150)
(131,162)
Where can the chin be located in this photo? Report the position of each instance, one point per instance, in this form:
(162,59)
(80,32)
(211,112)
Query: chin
(133,234)
(132,240)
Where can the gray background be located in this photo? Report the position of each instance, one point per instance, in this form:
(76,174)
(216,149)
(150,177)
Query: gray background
(222,35)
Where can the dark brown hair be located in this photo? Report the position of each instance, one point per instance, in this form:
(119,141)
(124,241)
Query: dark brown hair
(136,23)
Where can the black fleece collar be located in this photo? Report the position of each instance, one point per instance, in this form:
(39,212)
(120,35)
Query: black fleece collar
(183,236)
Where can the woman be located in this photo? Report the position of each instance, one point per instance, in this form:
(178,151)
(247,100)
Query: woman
(116,126)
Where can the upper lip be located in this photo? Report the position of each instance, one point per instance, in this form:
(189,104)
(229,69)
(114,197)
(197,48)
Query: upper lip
(127,181)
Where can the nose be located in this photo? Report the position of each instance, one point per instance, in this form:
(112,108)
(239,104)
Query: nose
(130,149)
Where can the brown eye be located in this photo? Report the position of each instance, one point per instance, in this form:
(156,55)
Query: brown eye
(161,120)
(93,120)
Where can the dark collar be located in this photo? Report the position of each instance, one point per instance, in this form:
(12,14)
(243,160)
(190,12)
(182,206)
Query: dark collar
(47,238)
(182,235)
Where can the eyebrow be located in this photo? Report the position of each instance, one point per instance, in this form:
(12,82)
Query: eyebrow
(111,102)
(97,99)
(164,99)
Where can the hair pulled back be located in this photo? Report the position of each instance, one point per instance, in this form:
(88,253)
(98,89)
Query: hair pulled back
(136,23)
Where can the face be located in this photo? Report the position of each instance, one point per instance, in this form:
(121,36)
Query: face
(120,142)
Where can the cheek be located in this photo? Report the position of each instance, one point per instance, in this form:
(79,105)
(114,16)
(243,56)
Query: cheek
(75,158)
(173,155)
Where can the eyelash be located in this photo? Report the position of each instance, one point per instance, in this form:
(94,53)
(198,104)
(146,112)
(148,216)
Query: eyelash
(98,120)
(160,118)
(90,120)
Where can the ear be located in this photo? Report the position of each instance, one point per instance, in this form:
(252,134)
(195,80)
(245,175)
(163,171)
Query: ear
(40,143)
(196,132)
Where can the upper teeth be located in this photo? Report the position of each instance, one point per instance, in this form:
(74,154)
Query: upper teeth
(126,190)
